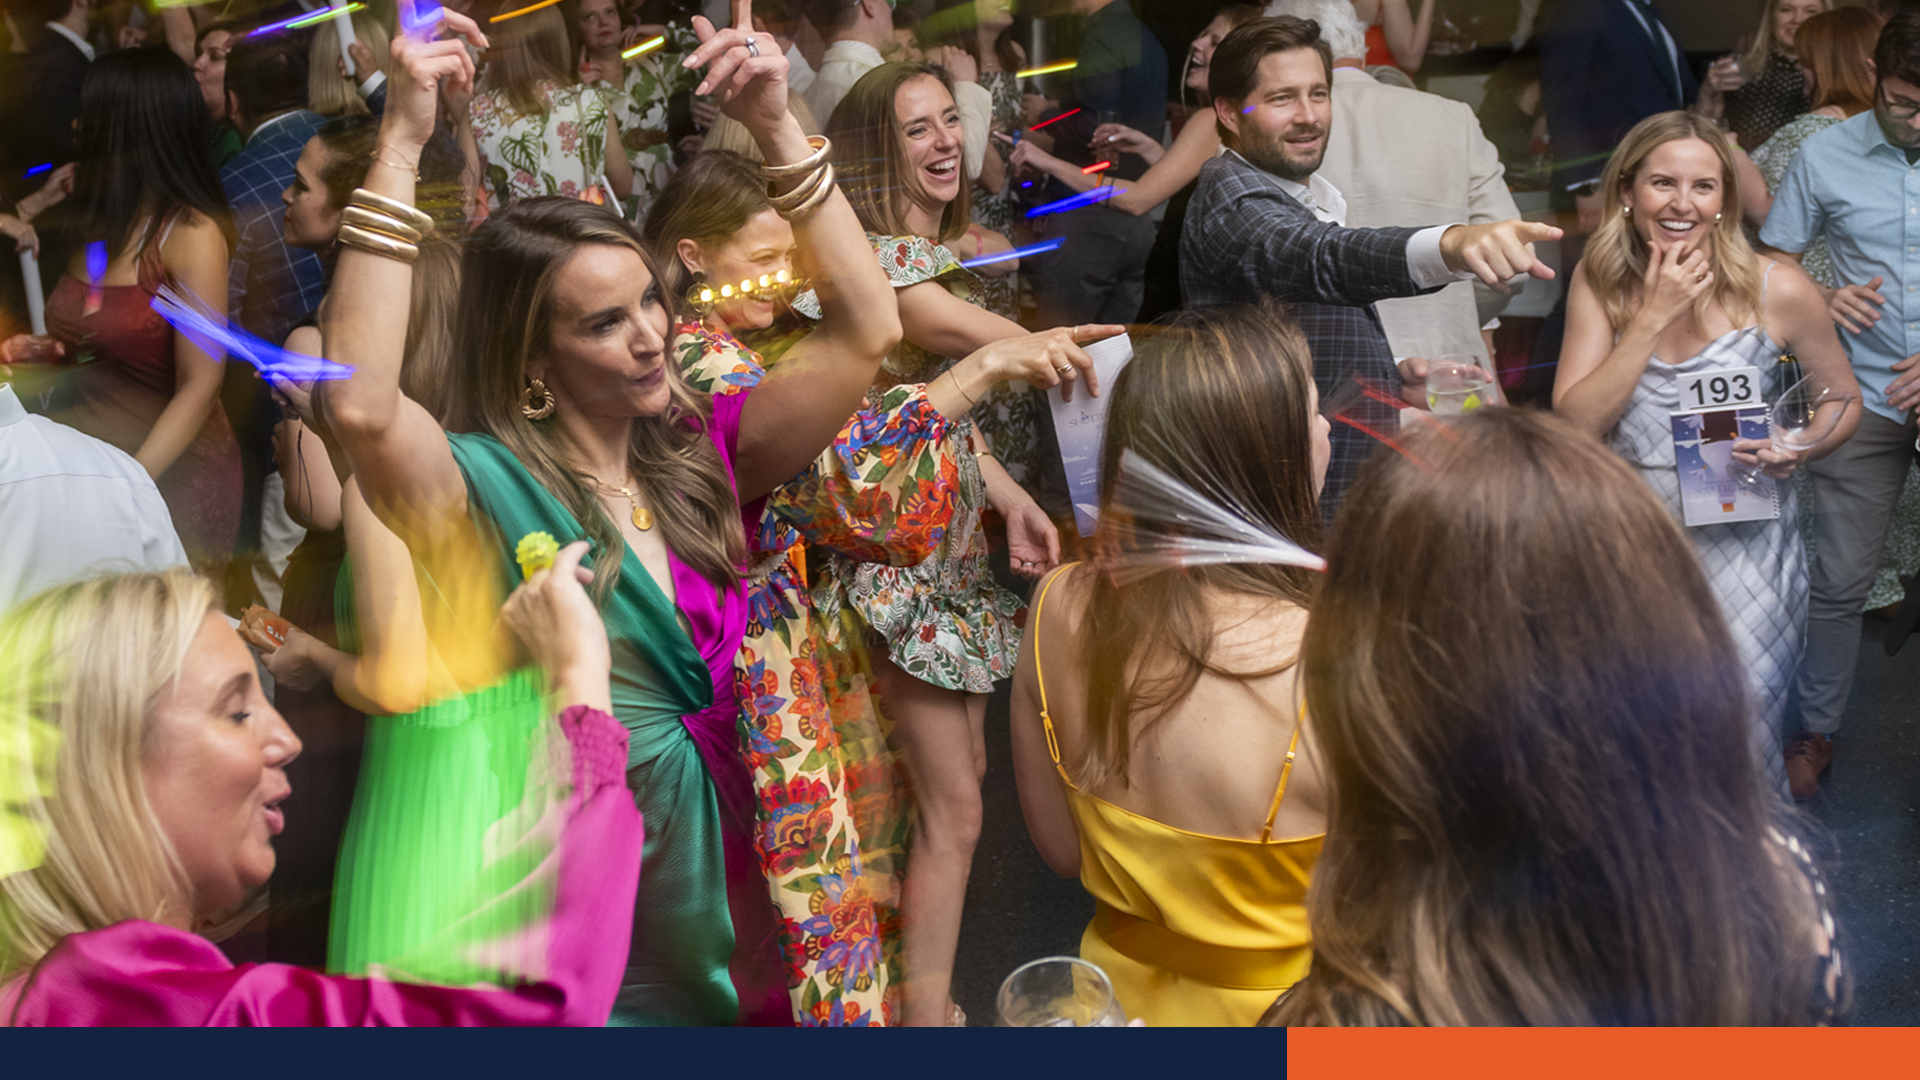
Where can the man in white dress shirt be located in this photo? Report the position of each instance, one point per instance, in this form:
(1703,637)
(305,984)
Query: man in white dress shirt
(73,506)
(859,36)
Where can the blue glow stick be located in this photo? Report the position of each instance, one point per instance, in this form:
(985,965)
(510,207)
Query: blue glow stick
(96,261)
(38,169)
(1074,202)
(418,16)
(1017,253)
(214,336)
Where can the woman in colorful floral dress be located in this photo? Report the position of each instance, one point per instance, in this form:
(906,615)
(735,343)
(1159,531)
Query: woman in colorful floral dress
(638,89)
(884,495)
(540,133)
(950,631)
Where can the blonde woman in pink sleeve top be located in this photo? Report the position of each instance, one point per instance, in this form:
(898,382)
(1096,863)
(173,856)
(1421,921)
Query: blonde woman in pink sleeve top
(167,763)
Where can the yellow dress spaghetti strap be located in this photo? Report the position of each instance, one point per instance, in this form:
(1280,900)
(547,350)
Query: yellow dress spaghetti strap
(1195,930)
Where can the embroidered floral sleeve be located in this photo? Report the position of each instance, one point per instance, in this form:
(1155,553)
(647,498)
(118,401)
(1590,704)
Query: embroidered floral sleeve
(908,260)
(883,492)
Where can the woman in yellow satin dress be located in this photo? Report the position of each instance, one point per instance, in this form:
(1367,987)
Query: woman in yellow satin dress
(1159,740)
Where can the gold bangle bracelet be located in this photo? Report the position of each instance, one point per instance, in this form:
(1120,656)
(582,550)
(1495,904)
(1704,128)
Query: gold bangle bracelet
(814,201)
(379,203)
(821,148)
(963,390)
(378,244)
(380,223)
(804,190)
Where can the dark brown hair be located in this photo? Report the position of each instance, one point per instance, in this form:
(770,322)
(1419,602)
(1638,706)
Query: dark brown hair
(1220,399)
(505,316)
(870,150)
(709,198)
(1897,54)
(1544,805)
(1235,69)
(1835,46)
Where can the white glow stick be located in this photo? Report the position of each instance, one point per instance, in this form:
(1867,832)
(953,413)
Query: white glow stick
(36,298)
(343,25)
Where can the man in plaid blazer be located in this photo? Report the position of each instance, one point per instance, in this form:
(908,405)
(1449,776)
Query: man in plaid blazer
(1263,226)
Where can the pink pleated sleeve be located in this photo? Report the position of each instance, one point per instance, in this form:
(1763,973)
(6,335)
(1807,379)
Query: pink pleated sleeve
(142,974)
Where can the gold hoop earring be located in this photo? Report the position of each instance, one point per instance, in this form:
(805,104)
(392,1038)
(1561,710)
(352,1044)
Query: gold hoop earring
(539,403)
(700,296)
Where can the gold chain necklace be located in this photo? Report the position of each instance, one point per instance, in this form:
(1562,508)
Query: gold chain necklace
(642,517)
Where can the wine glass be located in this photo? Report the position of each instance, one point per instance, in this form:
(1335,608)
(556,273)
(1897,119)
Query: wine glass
(1802,419)
(1457,385)
(1058,991)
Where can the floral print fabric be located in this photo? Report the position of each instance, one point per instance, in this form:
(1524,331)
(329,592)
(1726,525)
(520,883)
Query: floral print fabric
(831,820)
(640,108)
(560,150)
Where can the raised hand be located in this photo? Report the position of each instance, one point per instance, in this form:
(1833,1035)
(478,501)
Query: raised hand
(959,62)
(1857,307)
(421,62)
(746,70)
(1494,253)
(1046,359)
(1673,282)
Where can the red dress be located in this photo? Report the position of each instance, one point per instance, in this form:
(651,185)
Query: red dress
(122,367)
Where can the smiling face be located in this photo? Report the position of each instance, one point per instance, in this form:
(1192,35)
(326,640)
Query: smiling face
(764,245)
(215,772)
(1787,17)
(598,24)
(1200,53)
(605,355)
(210,71)
(930,133)
(1677,195)
(312,219)
(1282,125)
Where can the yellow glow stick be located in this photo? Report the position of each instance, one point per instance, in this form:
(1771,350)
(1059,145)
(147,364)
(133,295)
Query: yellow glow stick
(1047,69)
(523,11)
(646,46)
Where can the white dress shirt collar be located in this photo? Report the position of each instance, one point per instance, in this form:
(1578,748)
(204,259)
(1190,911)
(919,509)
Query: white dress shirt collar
(79,42)
(1317,194)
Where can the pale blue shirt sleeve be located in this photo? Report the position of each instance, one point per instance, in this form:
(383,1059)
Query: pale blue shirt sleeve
(1796,217)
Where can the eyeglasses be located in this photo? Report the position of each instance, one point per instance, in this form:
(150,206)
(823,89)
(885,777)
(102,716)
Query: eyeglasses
(1905,110)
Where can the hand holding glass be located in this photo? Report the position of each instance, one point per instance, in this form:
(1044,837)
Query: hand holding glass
(1457,385)
(1802,419)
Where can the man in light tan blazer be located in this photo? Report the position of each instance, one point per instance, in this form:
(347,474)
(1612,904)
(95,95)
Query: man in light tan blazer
(1402,157)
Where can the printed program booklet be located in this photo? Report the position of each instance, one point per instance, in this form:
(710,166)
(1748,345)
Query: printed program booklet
(1703,450)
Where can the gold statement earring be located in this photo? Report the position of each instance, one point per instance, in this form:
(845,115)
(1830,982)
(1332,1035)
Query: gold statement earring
(539,403)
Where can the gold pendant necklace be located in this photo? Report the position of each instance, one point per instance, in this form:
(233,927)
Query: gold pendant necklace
(642,517)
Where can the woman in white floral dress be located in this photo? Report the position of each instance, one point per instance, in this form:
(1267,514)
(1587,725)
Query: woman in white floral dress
(539,132)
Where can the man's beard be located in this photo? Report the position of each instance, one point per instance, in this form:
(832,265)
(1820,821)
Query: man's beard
(1274,156)
(1898,133)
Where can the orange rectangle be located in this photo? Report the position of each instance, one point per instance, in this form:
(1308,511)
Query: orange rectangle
(1599,1053)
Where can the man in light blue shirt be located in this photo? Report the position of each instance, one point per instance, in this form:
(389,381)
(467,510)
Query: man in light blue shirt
(1858,182)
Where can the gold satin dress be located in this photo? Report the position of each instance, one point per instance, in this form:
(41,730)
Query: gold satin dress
(1194,930)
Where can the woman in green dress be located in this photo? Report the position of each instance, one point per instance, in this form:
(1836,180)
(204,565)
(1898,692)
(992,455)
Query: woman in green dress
(569,418)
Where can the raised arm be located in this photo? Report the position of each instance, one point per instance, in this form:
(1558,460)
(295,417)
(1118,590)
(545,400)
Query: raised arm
(195,254)
(1175,169)
(795,413)
(1599,370)
(398,452)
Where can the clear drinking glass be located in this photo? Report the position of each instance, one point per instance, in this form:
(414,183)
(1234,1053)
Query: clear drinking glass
(1458,385)
(1059,991)
(1804,416)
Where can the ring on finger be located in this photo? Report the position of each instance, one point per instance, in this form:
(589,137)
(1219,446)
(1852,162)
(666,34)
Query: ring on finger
(753,47)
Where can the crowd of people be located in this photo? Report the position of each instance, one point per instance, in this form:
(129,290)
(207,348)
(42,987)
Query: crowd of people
(516,513)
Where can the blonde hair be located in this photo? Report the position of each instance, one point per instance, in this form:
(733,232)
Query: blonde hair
(529,55)
(327,93)
(1755,59)
(80,668)
(1616,258)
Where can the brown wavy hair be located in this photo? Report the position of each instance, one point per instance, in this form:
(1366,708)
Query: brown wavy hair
(1543,804)
(1837,47)
(505,316)
(870,151)
(1220,400)
(1616,257)
(708,200)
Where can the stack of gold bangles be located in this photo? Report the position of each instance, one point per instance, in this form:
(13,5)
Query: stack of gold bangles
(810,192)
(374,223)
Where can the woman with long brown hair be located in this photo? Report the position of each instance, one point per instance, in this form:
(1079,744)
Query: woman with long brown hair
(1158,737)
(950,631)
(539,131)
(570,419)
(882,494)
(1669,289)
(1533,723)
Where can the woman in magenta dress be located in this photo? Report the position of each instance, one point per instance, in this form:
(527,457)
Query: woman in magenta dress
(151,213)
(152,795)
